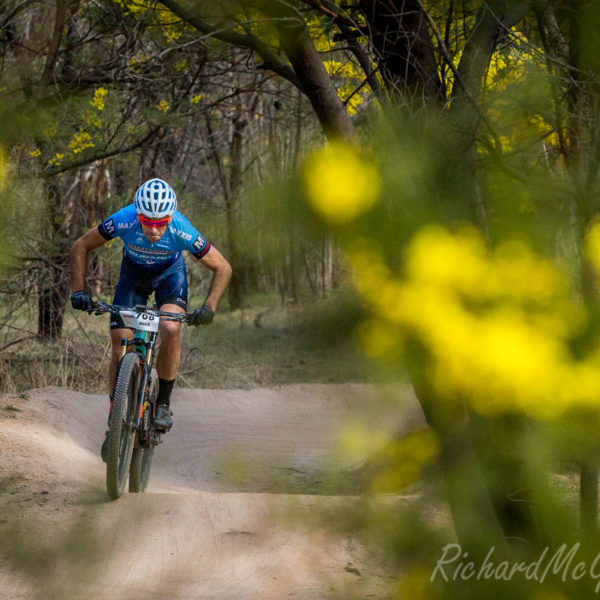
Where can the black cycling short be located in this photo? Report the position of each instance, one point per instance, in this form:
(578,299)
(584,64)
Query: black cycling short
(136,283)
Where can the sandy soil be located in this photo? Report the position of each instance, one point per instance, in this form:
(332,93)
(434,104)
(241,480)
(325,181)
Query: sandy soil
(233,509)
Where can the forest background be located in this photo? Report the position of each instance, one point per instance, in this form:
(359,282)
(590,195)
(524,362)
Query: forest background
(412,183)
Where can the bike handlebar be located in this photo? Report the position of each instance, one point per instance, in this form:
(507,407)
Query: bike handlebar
(100,308)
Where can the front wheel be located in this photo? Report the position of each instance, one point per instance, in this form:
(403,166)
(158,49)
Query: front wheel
(120,433)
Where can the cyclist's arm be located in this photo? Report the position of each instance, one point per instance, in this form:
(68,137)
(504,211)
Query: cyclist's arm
(79,252)
(221,269)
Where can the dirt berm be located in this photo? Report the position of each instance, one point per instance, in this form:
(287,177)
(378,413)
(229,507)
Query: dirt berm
(234,508)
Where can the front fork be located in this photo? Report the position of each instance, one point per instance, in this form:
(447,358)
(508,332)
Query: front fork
(145,380)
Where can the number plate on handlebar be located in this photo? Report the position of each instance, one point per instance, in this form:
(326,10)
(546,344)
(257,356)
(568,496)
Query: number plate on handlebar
(140,320)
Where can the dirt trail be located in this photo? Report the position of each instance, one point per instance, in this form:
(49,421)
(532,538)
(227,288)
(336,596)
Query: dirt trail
(232,510)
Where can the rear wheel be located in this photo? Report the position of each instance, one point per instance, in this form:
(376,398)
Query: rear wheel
(120,434)
(141,460)
(139,472)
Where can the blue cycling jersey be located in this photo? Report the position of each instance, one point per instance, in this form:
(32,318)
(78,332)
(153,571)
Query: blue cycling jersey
(179,236)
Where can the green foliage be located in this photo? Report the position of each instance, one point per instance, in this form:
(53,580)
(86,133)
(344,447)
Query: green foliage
(473,285)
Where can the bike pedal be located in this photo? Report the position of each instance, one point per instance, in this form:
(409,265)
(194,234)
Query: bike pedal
(161,428)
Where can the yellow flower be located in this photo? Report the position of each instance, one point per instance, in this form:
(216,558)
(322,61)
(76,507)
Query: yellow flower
(195,99)
(56,160)
(490,321)
(80,142)
(35,153)
(340,185)
(163,106)
(98,101)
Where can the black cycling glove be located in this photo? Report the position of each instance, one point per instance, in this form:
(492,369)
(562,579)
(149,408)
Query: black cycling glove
(202,316)
(81,301)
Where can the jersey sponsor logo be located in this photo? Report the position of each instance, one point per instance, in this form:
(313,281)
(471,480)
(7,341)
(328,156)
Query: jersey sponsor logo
(109,226)
(182,234)
(151,251)
(126,225)
(199,243)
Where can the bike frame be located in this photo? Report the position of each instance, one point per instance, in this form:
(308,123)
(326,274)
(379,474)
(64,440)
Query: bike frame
(143,344)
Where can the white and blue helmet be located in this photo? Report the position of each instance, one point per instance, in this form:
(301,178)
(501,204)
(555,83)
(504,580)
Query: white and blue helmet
(155,199)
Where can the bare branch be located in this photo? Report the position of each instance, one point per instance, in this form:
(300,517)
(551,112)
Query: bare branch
(270,60)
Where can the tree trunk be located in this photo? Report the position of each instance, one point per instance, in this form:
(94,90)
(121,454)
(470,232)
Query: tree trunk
(237,284)
(314,80)
(54,280)
(401,37)
(51,305)
(494,19)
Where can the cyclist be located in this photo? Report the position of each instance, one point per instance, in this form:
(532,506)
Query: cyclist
(154,235)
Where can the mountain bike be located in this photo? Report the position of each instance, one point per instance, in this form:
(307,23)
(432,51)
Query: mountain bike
(132,436)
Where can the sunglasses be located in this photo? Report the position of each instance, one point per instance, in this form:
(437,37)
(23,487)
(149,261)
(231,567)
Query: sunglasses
(152,223)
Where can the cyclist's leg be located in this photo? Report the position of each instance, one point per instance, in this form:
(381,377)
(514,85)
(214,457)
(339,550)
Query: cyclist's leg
(166,366)
(171,296)
(170,349)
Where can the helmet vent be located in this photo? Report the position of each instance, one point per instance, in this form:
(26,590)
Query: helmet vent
(155,199)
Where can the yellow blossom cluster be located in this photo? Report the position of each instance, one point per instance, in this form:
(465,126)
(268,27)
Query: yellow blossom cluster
(80,141)
(169,23)
(350,77)
(195,99)
(496,324)
(98,100)
(319,35)
(163,106)
(56,160)
(340,185)
(515,73)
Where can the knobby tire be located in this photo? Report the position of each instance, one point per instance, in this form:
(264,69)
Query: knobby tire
(141,460)
(139,472)
(120,434)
